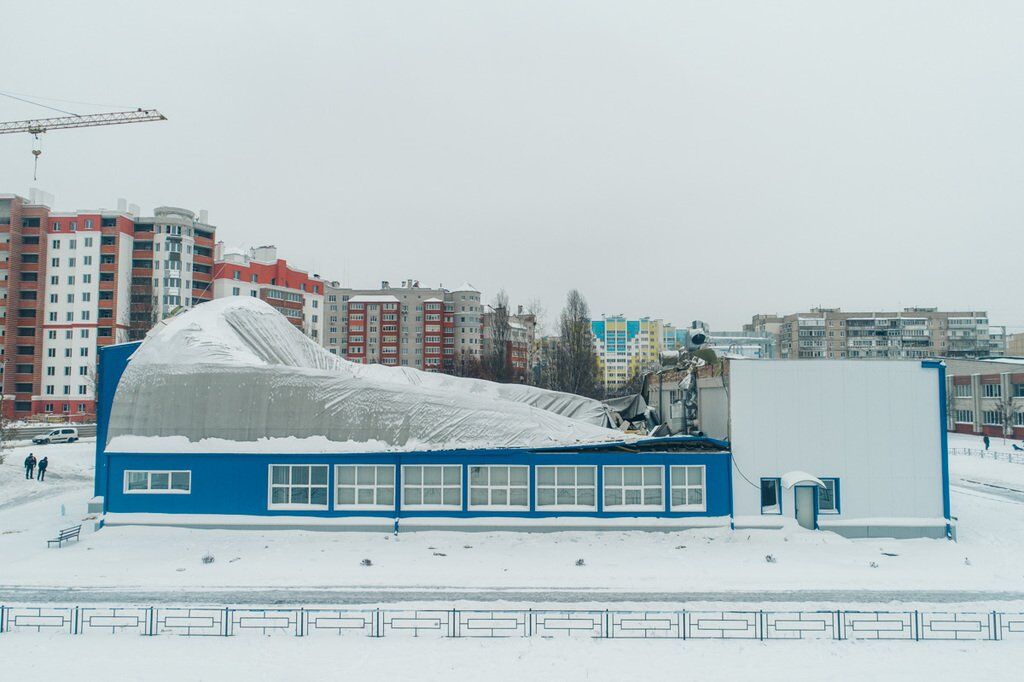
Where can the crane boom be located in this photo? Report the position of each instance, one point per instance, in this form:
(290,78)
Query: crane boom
(41,125)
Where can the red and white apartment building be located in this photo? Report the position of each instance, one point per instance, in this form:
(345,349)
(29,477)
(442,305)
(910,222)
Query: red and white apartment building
(259,273)
(408,326)
(72,282)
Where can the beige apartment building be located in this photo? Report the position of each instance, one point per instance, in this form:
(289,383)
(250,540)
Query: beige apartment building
(434,329)
(910,333)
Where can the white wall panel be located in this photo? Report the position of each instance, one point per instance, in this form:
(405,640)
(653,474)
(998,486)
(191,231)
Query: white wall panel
(875,425)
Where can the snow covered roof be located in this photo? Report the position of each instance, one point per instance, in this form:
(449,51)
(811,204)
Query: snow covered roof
(374,298)
(234,369)
(466,286)
(432,300)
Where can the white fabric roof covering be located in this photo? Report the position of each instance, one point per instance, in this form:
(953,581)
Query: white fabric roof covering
(235,369)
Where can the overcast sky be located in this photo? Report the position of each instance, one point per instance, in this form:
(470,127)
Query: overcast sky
(685,160)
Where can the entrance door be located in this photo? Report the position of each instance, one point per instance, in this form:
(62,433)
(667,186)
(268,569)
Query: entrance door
(806,511)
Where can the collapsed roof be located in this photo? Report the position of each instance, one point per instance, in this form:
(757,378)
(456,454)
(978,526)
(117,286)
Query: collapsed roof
(235,369)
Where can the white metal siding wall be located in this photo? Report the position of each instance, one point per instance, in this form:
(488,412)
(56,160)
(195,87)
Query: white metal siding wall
(876,425)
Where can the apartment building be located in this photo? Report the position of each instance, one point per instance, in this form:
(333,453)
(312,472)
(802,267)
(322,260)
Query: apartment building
(434,329)
(985,397)
(911,333)
(73,282)
(172,266)
(521,345)
(625,347)
(1015,345)
(259,273)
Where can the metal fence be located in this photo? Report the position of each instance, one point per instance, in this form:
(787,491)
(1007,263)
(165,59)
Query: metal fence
(1011,457)
(460,623)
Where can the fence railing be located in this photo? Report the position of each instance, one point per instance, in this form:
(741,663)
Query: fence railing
(1012,457)
(464,623)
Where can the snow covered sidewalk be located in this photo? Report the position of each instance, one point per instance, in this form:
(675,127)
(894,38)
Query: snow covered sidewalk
(227,659)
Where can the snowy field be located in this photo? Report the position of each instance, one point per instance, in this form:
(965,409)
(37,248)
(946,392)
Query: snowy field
(133,564)
(224,660)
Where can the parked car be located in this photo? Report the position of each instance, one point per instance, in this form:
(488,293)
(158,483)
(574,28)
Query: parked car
(65,434)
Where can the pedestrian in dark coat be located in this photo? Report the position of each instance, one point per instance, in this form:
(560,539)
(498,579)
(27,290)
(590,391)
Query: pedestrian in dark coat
(30,465)
(985,441)
(42,468)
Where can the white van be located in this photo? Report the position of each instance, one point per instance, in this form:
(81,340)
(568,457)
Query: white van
(66,434)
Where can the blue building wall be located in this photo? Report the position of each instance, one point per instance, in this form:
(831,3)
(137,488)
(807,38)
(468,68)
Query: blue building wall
(110,366)
(239,483)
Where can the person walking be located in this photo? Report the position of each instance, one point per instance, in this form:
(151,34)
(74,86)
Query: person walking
(42,468)
(30,465)
(985,441)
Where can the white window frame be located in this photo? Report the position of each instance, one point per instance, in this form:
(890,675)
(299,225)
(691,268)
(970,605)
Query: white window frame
(962,391)
(507,487)
(687,486)
(994,415)
(623,488)
(149,490)
(309,485)
(422,486)
(375,487)
(835,495)
(992,390)
(963,416)
(556,487)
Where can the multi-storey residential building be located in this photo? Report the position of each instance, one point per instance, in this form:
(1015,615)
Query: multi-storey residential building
(985,397)
(521,345)
(912,333)
(1015,345)
(259,273)
(436,330)
(71,283)
(625,347)
(172,265)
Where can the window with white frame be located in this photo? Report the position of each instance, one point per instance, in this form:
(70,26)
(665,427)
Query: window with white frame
(364,486)
(499,487)
(1018,419)
(567,487)
(634,487)
(771,496)
(298,486)
(964,416)
(992,390)
(962,390)
(828,497)
(990,418)
(432,486)
(688,488)
(167,482)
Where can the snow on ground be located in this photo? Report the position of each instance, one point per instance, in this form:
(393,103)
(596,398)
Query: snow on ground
(30,657)
(121,561)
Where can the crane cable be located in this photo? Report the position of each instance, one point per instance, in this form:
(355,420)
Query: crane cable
(37,143)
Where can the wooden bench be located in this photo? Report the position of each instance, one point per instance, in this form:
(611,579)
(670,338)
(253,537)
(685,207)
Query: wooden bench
(65,535)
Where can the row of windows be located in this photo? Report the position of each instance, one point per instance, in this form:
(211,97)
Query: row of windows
(771,496)
(988,390)
(491,487)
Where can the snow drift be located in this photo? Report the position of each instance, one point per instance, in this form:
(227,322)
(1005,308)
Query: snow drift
(236,370)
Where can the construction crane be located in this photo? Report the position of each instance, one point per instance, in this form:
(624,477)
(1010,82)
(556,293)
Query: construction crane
(38,126)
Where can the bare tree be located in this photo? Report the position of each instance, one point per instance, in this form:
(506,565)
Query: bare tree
(497,362)
(576,361)
(1005,413)
(6,433)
